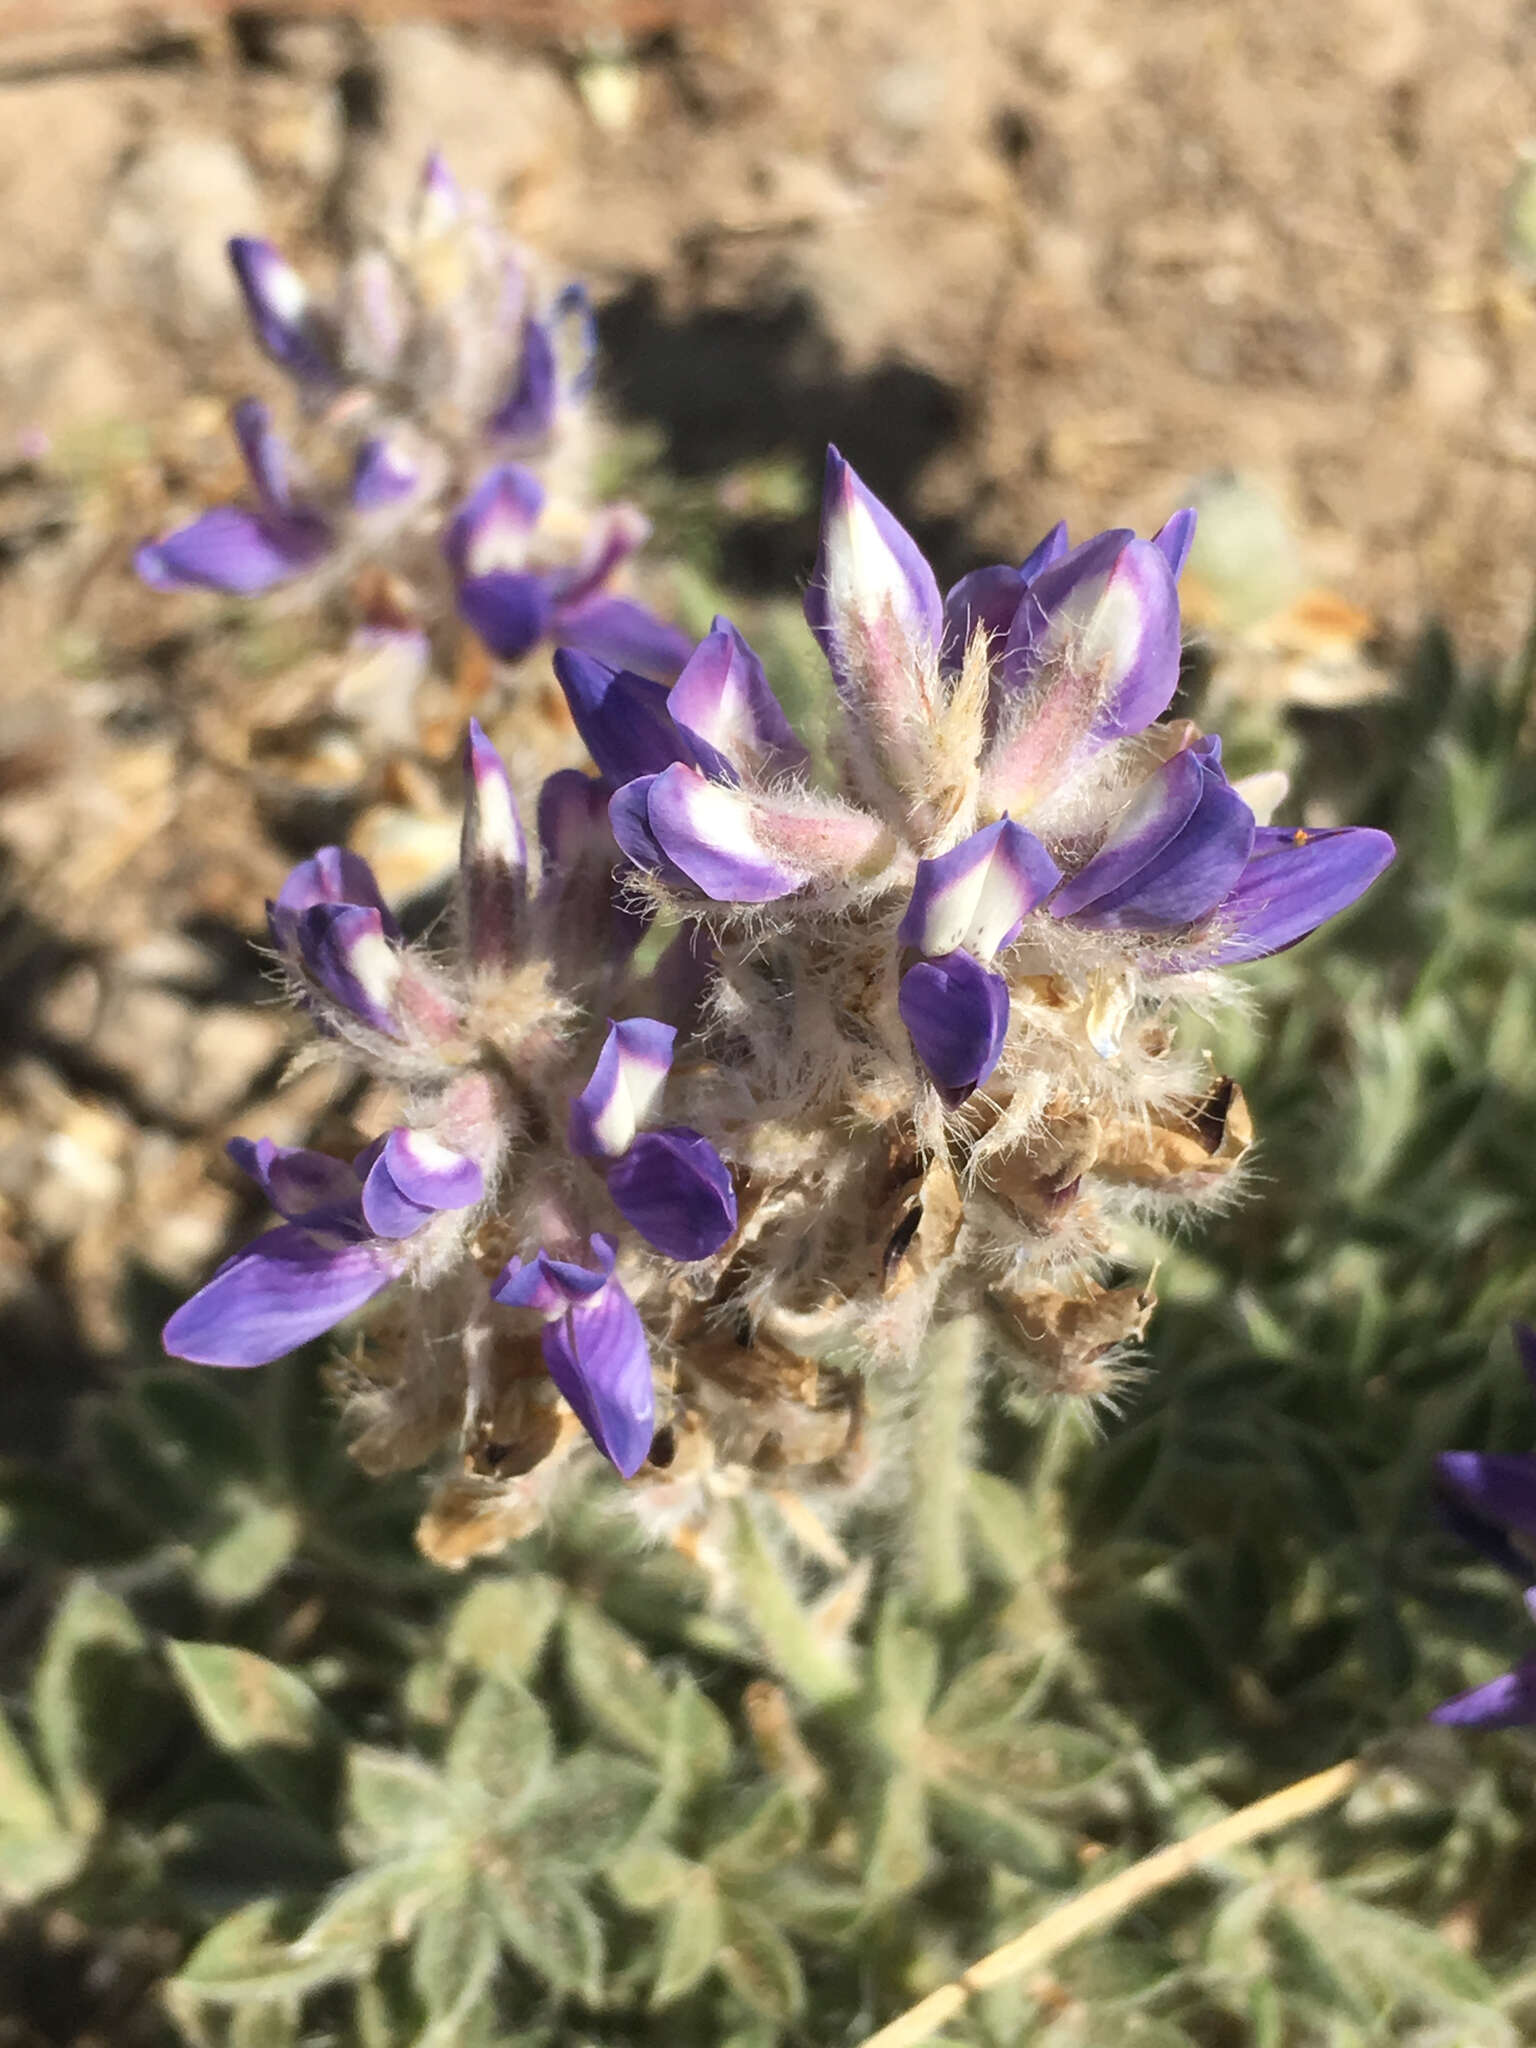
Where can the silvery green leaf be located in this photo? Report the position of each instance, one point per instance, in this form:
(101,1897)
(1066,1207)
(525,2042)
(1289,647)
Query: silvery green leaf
(899,1853)
(648,1875)
(698,1745)
(266,2026)
(377,1907)
(758,1963)
(987,1695)
(394,1802)
(769,1837)
(245,1959)
(256,1543)
(904,1667)
(984,1820)
(691,1941)
(610,1675)
(454,1956)
(1008,1534)
(1039,1761)
(264,1717)
(500,1750)
(820,1668)
(500,1625)
(589,1807)
(93,1703)
(547,1922)
(31,1865)
(25,1808)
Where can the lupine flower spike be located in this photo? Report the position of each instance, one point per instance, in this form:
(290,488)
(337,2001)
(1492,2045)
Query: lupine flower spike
(900,1071)
(1489,1498)
(445,437)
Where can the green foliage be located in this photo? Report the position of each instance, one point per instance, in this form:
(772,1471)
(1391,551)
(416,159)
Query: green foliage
(567,1800)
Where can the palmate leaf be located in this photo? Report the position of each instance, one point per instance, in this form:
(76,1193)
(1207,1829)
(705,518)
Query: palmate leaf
(588,1808)
(266,1719)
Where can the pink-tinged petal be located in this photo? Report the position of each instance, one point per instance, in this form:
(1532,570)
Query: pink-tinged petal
(488,535)
(1168,862)
(282,312)
(382,475)
(598,1357)
(875,608)
(347,953)
(493,854)
(741,848)
(622,633)
(956,1014)
(412,1179)
(675,1189)
(1093,653)
(529,410)
(375,317)
(231,550)
(333,875)
(977,895)
(625,1089)
(1174,539)
(610,539)
(301,1185)
(724,705)
(622,718)
(280,1292)
(1506,1702)
(510,613)
(1294,881)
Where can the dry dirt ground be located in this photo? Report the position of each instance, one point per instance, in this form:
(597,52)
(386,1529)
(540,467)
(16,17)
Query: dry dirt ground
(1022,261)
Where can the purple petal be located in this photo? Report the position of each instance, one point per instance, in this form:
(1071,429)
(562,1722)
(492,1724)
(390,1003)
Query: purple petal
(265,454)
(956,1013)
(977,895)
(984,601)
(277,1294)
(875,608)
(412,1179)
(488,535)
(553,1285)
(625,1088)
(598,1357)
(723,704)
(440,202)
(1045,552)
(622,718)
(629,819)
(624,634)
(382,475)
(282,312)
(1506,1702)
(529,411)
(333,875)
(573,817)
(1168,861)
(1294,881)
(1525,1350)
(610,539)
(741,848)
(232,550)
(1499,1486)
(675,1189)
(302,1186)
(1484,1536)
(573,335)
(510,612)
(493,853)
(1174,539)
(347,952)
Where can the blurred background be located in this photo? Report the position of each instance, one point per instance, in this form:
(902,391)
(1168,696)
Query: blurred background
(1022,263)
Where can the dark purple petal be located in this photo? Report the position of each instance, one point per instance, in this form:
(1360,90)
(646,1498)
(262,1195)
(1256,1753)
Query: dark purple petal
(229,549)
(675,1189)
(629,817)
(1525,1350)
(333,875)
(282,313)
(1045,552)
(1486,1537)
(598,1357)
(382,475)
(493,854)
(625,1088)
(956,1013)
(412,1179)
(624,634)
(1506,1702)
(975,897)
(488,535)
(1174,539)
(508,610)
(346,951)
(1168,861)
(573,817)
(529,411)
(724,706)
(1108,613)
(1499,1486)
(622,717)
(1293,882)
(265,454)
(277,1294)
(302,1186)
(984,601)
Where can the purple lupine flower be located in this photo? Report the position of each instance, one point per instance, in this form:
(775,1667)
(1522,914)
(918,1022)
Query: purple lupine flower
(283,315)
(238,550)
(493,855)
(671,1184)
(1489,1499)
(557,356)
(594,1347)
(341,1243)
(339,939)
